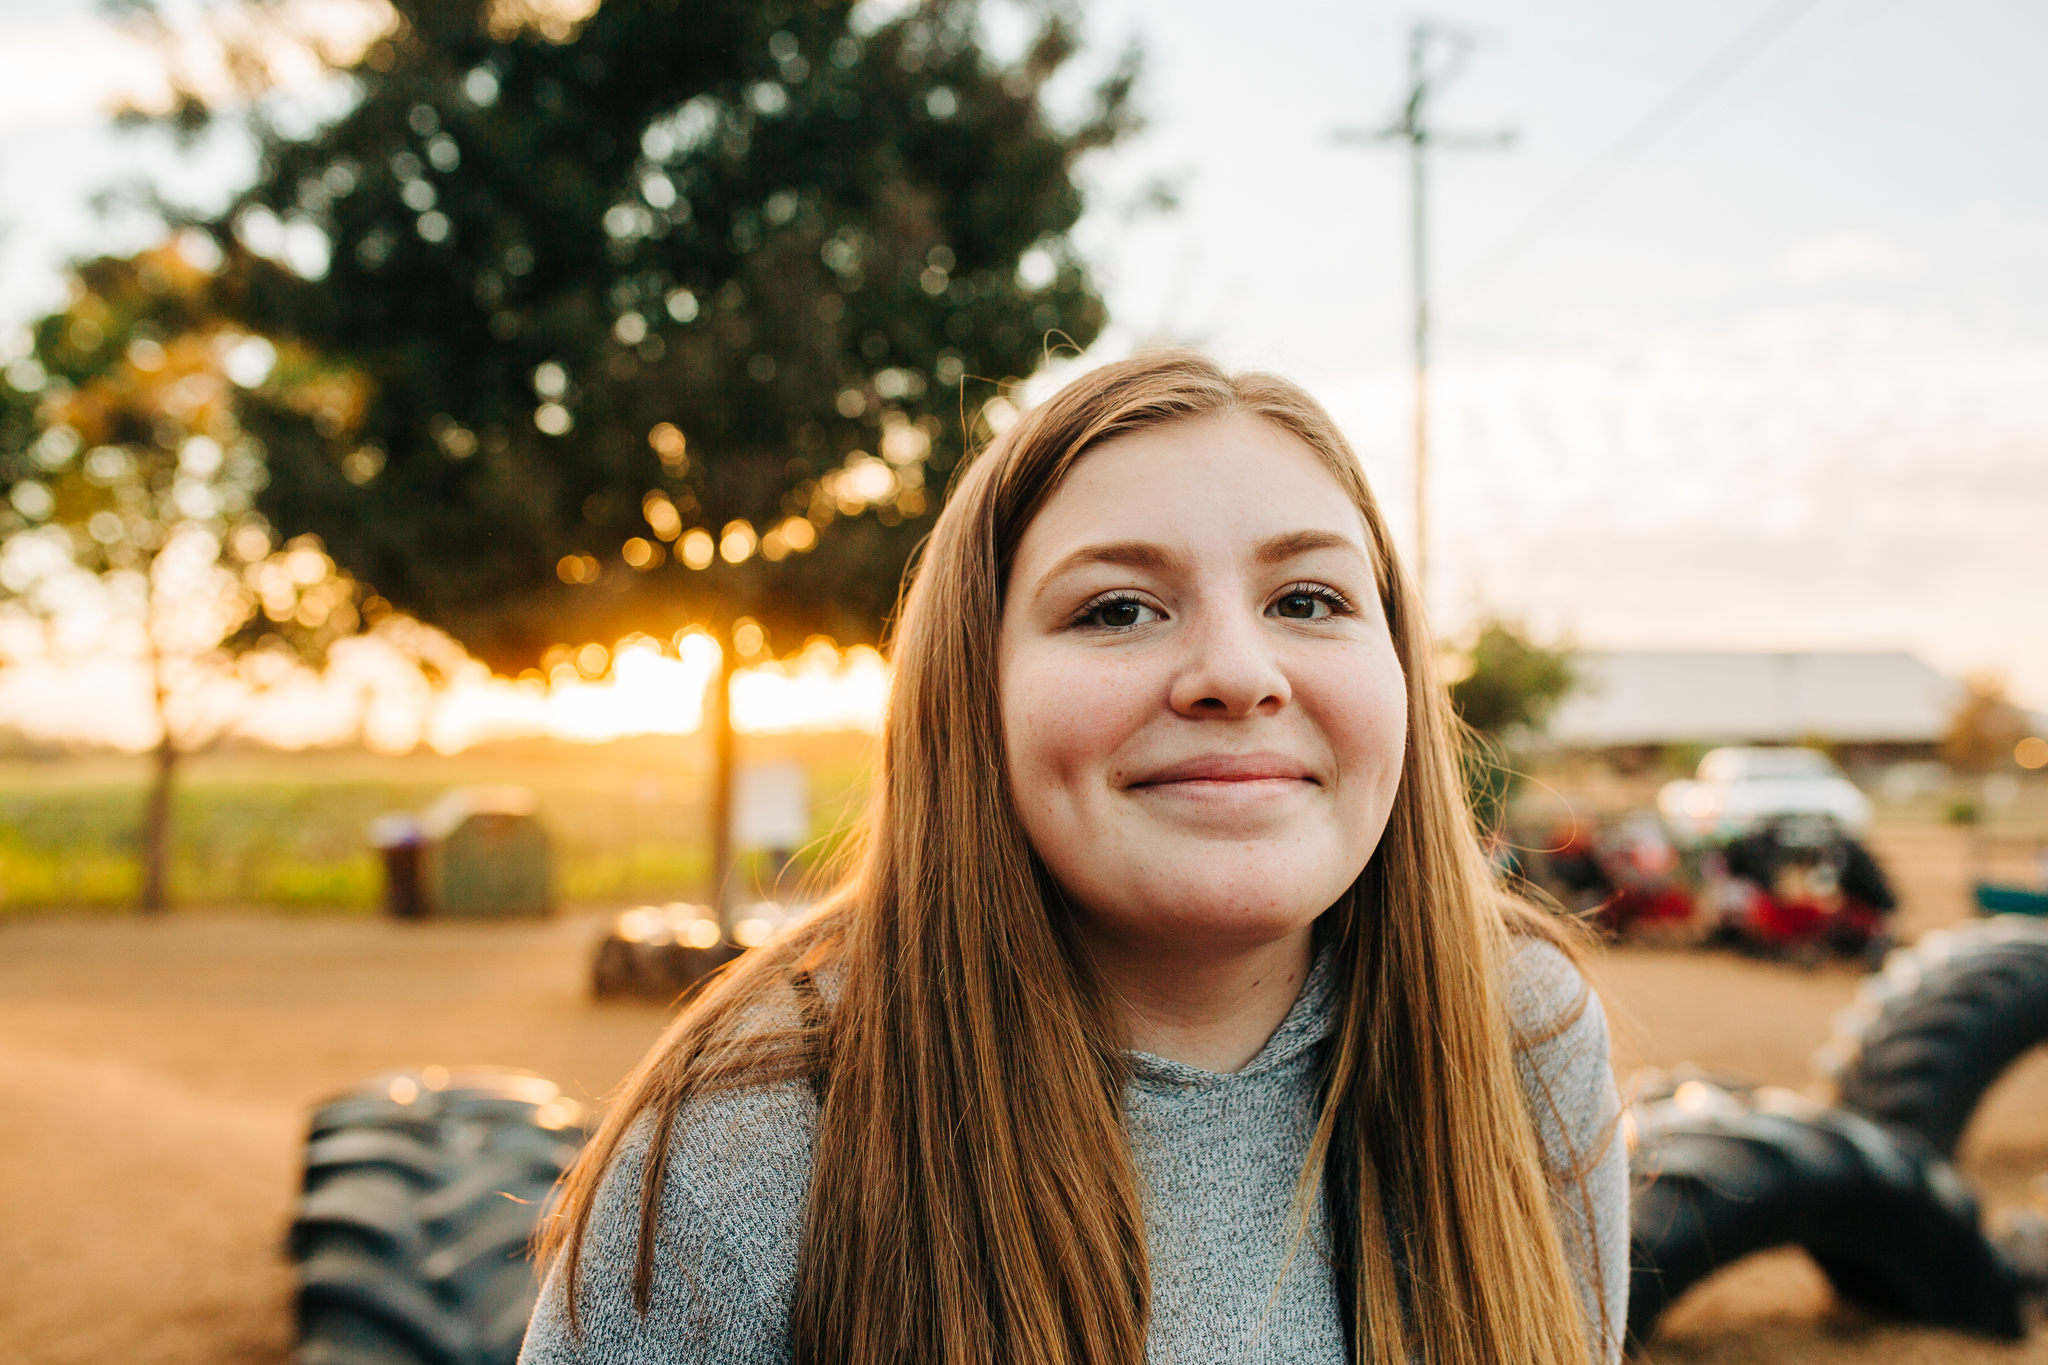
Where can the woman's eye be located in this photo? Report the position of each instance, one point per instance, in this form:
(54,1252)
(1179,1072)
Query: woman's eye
(1119,613)
(1302,606)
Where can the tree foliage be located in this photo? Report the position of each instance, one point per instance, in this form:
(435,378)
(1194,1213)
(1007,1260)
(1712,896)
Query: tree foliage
(1983,729)
(742,268)
(130,524)
(1510,689)
(125,452)
(1513,682)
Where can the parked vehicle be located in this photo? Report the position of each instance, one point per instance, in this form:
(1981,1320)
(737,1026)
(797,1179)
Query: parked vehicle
(1626,874)
(1994,862)
(1798,886)
(1738,788)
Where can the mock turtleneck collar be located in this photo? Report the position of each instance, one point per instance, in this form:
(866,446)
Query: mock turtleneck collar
(1306,1024)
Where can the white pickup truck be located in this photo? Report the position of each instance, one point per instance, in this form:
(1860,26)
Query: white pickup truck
(1737,787)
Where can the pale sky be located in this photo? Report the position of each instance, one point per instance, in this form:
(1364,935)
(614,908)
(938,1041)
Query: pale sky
(1780,381)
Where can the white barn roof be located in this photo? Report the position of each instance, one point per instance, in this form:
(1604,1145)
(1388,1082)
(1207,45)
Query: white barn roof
(1680,696)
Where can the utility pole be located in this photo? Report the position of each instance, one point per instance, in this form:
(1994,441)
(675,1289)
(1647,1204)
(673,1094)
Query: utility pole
(724,777)
(1411,126)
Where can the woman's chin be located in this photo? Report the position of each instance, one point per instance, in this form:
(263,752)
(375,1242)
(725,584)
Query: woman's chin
(1220,916)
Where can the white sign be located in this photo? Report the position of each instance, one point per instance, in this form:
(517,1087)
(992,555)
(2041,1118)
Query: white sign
(771,806)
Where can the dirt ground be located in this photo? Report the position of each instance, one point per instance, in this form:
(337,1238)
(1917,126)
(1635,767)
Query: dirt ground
(154,1079)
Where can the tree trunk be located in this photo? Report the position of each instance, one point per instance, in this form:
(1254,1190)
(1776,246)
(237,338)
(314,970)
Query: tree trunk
(718,719)
(156,830)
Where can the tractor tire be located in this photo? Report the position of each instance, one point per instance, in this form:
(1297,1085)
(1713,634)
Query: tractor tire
(1654,1084)
(653,953)
(612,972)
(421,1194)
(685,966)
(1931,1032)
(659,972)
(1895,1229)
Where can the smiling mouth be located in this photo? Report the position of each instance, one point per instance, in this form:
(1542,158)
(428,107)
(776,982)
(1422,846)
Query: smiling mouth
(1221,774)
(1233,799)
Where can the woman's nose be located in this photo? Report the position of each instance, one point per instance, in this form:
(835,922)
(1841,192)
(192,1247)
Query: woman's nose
(1230,669)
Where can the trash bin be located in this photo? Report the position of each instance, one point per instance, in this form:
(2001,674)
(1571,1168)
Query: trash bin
(485,856)
(397,839)
(475,853)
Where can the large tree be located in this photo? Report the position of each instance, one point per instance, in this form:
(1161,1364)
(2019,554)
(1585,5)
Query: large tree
(725,284)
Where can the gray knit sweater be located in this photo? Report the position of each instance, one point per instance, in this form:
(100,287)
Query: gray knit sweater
(1218,1155)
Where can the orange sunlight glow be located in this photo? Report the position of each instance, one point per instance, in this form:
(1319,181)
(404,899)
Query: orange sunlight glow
(821,688)
(650,690)
(375,690)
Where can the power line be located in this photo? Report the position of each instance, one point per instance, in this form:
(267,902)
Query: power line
(1660,120)
(1411,127)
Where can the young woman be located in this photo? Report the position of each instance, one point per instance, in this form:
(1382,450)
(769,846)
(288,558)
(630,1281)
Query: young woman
(1171,1012)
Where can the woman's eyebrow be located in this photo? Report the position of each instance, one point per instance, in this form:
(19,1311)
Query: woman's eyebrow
(1285,547)
(1129,554)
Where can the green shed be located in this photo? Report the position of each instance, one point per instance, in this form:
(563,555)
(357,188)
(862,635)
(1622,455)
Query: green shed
(484,855)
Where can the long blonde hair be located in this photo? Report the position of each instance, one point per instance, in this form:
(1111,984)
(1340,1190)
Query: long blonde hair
(973,1196)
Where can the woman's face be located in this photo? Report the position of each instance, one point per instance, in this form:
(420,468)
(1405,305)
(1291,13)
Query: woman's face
(1204,712)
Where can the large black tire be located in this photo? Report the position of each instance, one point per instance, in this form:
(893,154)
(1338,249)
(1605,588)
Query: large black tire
(422,1190)
(1929,1034)
(1896,1230)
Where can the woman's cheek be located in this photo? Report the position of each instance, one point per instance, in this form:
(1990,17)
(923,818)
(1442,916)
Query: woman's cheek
(1363,708)
(1071,719)
(1045,719)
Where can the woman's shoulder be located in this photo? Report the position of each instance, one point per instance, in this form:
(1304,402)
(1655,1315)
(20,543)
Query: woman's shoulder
(1546,992)
(734,1181)
(740,1152)
(1567,1075)
(1562,1049)
(737,1161)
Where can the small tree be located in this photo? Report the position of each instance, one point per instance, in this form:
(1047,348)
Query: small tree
(1513,681)
(1983,729)
(130,520)
(1511,688)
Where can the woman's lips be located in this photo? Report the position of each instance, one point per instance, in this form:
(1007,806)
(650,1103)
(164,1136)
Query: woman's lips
(1224,772)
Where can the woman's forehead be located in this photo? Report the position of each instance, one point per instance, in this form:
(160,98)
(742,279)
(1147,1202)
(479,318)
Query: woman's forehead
(1236,477)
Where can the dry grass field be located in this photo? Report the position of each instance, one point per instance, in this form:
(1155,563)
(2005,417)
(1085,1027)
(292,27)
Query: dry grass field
(156,1076)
